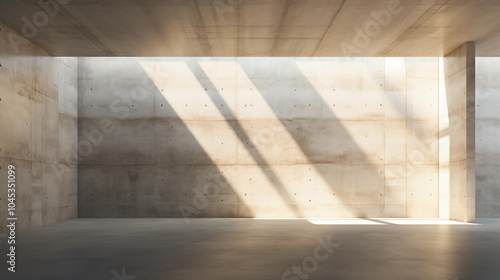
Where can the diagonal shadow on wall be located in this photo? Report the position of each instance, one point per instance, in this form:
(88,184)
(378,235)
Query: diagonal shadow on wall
(245,140)
(148,163)
(345,151)
(352,177)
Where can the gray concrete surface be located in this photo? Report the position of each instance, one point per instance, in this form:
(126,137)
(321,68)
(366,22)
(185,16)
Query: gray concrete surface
(273,137)
(487,135)
(286,28)
(38,131)
(254,249)
(457,133)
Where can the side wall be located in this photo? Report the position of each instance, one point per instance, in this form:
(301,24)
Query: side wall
(487,139)
(258,137)
(457,135)
(38,131)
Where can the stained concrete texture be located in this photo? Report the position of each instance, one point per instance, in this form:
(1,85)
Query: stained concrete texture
(321,28)
(487,135)
(457,133)
(38,124)
(257,249)
(258,137)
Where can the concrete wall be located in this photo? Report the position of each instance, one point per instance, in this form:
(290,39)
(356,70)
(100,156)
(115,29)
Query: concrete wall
(487,137)
(457,135)
(258,137)
(38,131)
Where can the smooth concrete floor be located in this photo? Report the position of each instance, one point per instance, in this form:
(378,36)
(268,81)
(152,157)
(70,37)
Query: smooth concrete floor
(254,249)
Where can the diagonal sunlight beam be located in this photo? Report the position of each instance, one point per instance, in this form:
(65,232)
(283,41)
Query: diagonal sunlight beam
(174,73)
(328,110)
(245,140)
(328,113)
(218,178)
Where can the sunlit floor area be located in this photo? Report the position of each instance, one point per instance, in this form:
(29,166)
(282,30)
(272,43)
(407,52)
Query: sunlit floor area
(259,249)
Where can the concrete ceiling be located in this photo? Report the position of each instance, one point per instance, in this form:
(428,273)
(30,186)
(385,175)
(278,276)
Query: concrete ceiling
(255,27)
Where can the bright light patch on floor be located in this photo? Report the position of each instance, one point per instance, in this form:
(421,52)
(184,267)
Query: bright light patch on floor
(375,221)
(422,222)
(344,222)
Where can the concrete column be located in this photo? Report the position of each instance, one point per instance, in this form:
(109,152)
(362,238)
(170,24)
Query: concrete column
(457,135)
